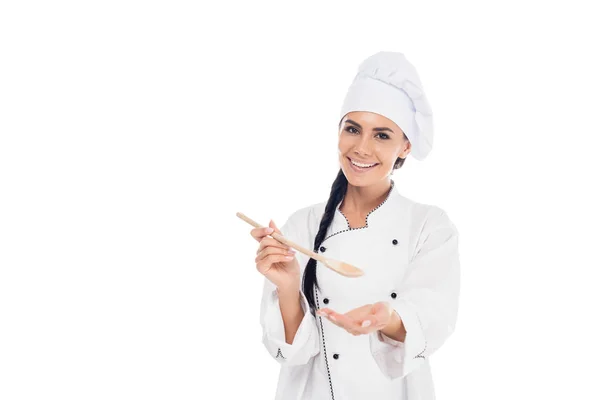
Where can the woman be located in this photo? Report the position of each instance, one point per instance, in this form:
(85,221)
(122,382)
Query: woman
(367,337)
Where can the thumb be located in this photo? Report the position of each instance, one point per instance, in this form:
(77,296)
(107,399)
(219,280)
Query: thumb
(272,225)
(380,309)
(379,313)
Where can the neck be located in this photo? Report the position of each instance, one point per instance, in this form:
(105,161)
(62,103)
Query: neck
(360,200)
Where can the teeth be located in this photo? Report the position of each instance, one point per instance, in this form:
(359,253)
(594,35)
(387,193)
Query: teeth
(361,165)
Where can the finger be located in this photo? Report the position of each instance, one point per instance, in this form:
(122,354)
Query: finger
(363,323)
(324,312)
(344,321)
(367,322)
(265,264)
(274,247)
(327,314)
(378,319)
(381,308)
(272,225)
(259,233)
(333,321)
(356,330)
(341,320)
(269,241)
(382,312)
(271,250)
(276,230)
(371,324)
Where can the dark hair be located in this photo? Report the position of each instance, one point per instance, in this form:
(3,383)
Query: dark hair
(338,190)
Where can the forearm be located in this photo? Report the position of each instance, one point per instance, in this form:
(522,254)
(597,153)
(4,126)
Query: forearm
(291,312)
(395,329)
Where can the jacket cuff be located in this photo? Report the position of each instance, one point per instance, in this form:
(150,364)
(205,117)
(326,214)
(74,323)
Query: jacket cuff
(304,344)
(415,343)
(388,354)
(397,359)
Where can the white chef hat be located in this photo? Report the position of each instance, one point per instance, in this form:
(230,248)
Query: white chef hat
(388,84)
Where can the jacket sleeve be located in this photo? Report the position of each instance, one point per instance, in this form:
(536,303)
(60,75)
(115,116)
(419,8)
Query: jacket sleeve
(306,341)
(427,300)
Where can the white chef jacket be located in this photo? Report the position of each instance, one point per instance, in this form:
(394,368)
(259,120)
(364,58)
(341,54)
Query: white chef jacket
(409,254)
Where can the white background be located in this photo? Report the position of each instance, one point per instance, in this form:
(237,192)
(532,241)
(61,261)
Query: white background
(132,132)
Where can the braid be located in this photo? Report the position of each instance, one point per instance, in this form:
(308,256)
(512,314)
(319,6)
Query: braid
(309,280)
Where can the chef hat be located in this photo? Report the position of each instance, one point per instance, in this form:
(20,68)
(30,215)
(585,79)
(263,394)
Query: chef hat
(388,84)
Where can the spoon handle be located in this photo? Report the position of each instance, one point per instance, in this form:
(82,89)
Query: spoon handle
(281,238)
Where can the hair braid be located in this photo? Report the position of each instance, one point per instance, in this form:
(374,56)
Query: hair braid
(309,280)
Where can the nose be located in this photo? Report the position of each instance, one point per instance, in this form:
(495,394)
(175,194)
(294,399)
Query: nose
(363,146)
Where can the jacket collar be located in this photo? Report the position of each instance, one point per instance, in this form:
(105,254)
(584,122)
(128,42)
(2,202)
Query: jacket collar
(375,217)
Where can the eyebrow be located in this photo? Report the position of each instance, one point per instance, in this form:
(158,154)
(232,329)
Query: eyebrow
(375,129)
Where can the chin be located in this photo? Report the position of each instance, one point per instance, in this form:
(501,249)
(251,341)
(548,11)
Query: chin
(358,180)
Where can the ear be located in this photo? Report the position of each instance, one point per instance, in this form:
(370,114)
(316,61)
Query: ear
(406,150)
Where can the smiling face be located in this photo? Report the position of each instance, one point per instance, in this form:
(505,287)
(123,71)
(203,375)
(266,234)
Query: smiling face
(369,138)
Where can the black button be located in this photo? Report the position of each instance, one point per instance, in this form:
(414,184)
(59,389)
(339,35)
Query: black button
(393,295)
(336,356)
(326,300)
(322,249)
(394,241)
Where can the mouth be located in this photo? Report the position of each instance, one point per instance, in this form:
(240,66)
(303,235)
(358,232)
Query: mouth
(358,168)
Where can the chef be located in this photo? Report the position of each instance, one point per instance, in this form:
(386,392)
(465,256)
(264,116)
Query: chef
(367,337)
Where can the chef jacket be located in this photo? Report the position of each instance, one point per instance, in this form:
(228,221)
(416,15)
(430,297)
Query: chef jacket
(409,254)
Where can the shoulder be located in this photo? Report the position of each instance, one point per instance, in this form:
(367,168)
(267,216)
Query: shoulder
(300,220)
(430,228)
(306,220)
(300,226)
(302,214)
(426,217)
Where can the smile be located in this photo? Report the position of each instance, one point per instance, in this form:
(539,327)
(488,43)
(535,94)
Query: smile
(361,167)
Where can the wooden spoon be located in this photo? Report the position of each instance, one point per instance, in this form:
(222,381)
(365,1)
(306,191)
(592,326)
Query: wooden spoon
(340,267)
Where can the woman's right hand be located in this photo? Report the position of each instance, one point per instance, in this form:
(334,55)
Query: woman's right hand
(274,261)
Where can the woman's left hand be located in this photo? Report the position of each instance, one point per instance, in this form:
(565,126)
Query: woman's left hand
(363,320)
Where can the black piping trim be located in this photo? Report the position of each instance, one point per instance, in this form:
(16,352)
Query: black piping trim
(279,354)
(366,218)
(324,349)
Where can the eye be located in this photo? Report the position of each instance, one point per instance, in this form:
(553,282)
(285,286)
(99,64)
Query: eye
(353,130)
